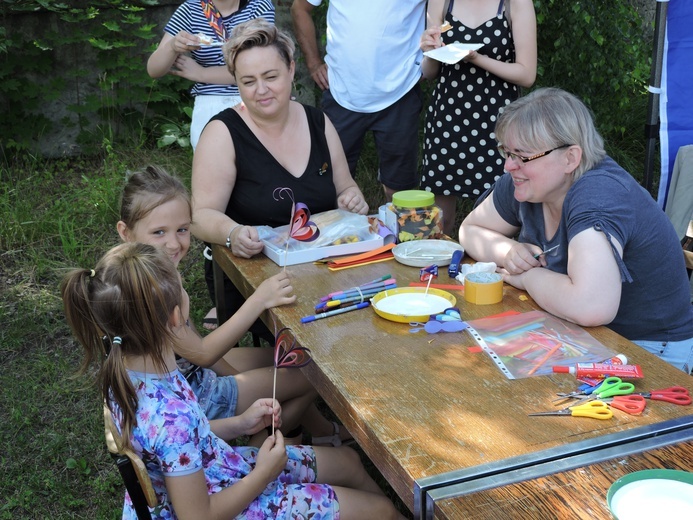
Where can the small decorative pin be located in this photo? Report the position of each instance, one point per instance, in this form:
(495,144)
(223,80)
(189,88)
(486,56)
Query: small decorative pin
(323,170)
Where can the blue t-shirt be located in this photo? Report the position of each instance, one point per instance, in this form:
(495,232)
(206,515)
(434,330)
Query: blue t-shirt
(190,17)
(655,300)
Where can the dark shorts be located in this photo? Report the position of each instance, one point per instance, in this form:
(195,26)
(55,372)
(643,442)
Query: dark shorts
(395,132)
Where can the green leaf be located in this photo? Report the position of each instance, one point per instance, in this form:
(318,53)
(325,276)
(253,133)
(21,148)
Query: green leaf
(100,44)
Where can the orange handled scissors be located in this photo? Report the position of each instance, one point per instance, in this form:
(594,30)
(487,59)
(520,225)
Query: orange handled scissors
(674,394)
(592,409)
(633,404)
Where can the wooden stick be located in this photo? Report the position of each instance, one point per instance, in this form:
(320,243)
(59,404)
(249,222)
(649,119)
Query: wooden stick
(274,393)
(428,284)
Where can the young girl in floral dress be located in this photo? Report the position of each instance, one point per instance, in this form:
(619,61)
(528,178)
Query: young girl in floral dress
(133,301)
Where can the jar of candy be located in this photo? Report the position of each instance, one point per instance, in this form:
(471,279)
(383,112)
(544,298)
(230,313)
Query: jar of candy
(413,215)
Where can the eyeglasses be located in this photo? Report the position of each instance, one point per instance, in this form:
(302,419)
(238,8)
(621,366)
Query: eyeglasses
(515,157)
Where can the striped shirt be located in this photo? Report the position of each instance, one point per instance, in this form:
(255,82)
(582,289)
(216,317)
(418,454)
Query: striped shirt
(189,17)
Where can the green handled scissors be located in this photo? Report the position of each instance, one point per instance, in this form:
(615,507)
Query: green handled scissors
(610,387)
(591,409)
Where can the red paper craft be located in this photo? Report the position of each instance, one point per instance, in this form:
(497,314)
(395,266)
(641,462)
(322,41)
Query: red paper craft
(287,355)
(301,228)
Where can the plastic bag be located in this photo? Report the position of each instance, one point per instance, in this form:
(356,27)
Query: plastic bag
(337,226)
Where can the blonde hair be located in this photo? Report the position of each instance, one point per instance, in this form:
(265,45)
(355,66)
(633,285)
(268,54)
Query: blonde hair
(147,189)
(257,33)
(122,307)
(548,118)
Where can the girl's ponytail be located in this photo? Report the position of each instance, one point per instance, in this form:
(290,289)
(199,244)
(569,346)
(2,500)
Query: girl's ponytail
(75,292)
(122,308)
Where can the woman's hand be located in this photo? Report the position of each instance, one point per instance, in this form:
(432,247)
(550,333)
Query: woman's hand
(272,458)
(276,291)
(187,68)
(351,199)
(184,42)
(473,55)
(430,39)
(260,415)
(245,242)
(520,258)
(516,280)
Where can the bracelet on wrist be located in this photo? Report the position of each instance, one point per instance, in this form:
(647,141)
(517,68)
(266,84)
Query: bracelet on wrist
(228,238)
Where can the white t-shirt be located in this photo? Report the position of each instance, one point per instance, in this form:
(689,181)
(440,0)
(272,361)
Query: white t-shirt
(373,56)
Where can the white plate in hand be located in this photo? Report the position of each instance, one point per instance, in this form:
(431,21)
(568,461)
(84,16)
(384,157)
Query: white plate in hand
(453,52)
(422,253)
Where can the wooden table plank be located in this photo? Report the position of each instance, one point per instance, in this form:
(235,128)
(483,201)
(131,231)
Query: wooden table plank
(578,494)
(422,405)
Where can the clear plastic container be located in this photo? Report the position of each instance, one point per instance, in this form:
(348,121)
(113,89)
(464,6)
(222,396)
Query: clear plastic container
(413,215)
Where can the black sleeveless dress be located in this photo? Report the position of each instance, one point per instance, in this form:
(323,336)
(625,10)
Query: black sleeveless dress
(459,155)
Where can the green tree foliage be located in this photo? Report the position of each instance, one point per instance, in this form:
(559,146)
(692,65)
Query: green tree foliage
(598,50)
(104,89)
(601,52)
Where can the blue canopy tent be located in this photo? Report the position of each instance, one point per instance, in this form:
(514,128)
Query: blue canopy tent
(671,90)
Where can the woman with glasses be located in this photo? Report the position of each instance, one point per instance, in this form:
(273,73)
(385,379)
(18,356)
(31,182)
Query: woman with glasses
(615,259)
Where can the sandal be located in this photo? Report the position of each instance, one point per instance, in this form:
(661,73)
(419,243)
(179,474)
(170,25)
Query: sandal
(210,323)
(332,440)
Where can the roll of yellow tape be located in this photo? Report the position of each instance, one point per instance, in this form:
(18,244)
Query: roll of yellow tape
(483,288)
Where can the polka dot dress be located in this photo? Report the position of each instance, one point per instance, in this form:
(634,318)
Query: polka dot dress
(460,156)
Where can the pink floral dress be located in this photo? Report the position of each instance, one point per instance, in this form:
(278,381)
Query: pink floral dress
(173,437)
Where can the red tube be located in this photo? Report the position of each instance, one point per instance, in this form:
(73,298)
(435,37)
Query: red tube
(601,370)
(618,359)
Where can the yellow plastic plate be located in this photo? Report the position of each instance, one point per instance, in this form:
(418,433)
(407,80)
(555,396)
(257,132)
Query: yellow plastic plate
(407,304)
(652,493)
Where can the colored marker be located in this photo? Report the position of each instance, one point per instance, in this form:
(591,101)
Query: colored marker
(363,285)
(355,298)
(381,279)
(327,314)
(377,280)
(359,290)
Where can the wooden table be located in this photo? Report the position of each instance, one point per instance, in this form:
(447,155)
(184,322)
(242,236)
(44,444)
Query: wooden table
(571,488)
(423,407)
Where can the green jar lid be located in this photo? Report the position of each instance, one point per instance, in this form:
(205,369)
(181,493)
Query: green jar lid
(413,199)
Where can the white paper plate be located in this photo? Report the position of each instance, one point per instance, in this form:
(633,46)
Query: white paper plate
(649,494)
(407,304)
(422,253)
(453,52)
(213,44)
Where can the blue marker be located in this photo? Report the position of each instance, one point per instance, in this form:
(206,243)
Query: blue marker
(308,319)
